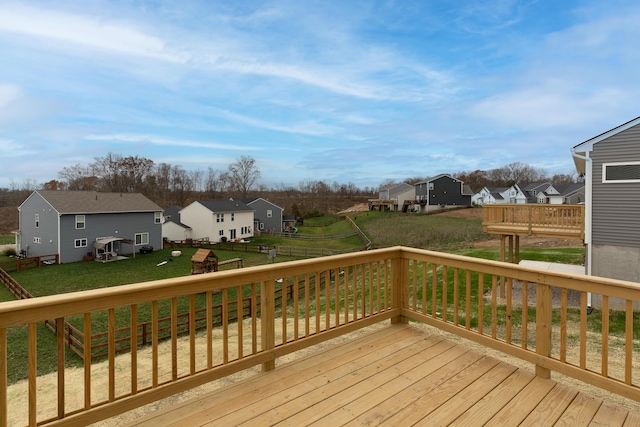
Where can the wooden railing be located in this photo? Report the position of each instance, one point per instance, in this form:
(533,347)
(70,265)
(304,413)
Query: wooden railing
(340,294)
(534,219)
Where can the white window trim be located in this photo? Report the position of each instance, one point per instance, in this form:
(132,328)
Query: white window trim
(157,217)
(80,243)
(617,181)
(269,213)
(83,222)
(144,239)
(37,223)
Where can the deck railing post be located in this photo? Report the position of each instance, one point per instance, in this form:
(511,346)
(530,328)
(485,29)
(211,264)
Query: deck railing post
(267,320)
(399,287)
(543,326)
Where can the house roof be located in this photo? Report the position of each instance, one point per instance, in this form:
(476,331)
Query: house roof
(172,214)
(584,147)
(203,255)
(80,202)
(250,201)
(225,205)
(433,178)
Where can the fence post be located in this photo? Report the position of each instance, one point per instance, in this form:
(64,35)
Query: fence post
(543,326)
(399,286)
(267,321)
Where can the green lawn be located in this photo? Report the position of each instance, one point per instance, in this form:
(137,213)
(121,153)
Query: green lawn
(8,239)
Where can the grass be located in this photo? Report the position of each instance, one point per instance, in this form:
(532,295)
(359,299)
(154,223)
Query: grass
(434,232)
(7,239)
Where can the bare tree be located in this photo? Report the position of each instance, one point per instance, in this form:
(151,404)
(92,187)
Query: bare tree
(78,177)
(515,173)
(243,173)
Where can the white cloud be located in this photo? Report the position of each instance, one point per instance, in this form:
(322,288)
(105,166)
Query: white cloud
(158,140)
(116,37)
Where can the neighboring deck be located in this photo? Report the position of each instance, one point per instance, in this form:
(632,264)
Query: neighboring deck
(534,220)
(396,375)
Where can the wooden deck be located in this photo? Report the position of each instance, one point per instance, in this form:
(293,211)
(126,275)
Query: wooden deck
(396,375)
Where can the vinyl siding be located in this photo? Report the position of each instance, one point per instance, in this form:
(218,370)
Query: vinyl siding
(616,206)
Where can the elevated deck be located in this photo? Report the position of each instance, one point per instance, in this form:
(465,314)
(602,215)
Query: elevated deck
(396,375)
(511,221)
(402,373)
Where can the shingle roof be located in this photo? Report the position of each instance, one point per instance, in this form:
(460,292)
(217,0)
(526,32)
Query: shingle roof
(225,205)
(75,202)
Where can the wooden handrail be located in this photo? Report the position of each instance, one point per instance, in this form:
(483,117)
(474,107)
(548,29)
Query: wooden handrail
(341,294)
(534,219)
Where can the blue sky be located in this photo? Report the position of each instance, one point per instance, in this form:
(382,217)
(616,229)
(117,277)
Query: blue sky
(346,91)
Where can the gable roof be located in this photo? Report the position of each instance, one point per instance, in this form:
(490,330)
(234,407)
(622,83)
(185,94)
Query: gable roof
(225,205)
(584,147)
(251,201)
(81,202)
(172,214)
(433,178)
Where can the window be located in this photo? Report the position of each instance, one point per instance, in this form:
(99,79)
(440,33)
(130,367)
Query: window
(80,222)
(221,233)
(37,220)
(269,213)
(232,216)
(219,217)
(430,186)
(142,238)
(80,243)
(37,240)
(621,172)
(262,226)
(157,217)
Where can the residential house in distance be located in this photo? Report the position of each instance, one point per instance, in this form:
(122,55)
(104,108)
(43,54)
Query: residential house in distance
(219,220)
(442,191)
(267,216)
(493,195)
(75,224)
(539,192)
(393,197)
(610,163)
(172,228)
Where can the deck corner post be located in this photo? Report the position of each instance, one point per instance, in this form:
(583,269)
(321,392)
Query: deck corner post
(267,321)
(400,287)
(543,326)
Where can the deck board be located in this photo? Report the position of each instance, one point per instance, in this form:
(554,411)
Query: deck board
(397,375)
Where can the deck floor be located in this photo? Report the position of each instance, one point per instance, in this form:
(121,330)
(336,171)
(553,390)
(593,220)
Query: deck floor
(398,375)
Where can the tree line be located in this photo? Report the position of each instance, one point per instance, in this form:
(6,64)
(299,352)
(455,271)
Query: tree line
(172,185)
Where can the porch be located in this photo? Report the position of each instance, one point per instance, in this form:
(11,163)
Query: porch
(511,221)
(393,375)
(328,299)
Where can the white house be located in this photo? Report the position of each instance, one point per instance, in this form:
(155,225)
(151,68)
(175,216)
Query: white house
(218,220)
(172,227)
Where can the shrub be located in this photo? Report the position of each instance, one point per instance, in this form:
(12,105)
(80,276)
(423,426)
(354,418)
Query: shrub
(9,252)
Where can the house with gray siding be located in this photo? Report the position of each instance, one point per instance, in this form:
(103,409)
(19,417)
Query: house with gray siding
(610,163)
(442,191)
(70,223)
(267,216)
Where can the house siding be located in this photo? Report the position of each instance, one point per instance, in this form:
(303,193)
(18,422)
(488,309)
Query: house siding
(616,206)
(261,207)
(203,222)
(446,191)
(122,225)
(47,232)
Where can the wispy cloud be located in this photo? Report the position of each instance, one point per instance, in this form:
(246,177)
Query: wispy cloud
(167,142)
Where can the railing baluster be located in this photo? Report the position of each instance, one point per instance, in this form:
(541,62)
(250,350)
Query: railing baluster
(61,365)
(192,334)
(209,316)
(605,335)
(456,295)
(583,330)
(563,324)
(32,352)
(467,305)
(240,311)
(154,343)
(509,314)
(628,348)
(225,326)
(525,314)
(494,305)
(134,348)
(434,289)
(480,303)
(87,361)
(4,372)
(111,349)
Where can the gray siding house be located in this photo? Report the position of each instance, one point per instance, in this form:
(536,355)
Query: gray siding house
(267,216)
(610,163)
(69,223)
(442,190)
